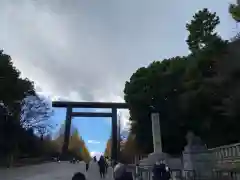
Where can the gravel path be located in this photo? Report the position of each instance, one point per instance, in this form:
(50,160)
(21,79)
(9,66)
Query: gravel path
(51,171)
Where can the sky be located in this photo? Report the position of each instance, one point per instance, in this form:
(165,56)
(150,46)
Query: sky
(94,131)
(85,50)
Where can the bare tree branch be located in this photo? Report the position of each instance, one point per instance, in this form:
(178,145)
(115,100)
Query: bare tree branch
(35,114)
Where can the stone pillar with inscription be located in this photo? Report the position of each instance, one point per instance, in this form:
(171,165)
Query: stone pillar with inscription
(157,143)
(156,132)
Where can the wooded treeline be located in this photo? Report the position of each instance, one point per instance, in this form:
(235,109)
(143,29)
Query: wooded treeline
(198,92)
(25,129)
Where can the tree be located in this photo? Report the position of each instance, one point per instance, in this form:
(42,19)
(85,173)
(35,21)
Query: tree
(43,131)
(190,93)
(85,153)
(35,113)
(108,148)
(59,142)
(13,90)
(77,146)
(156,86)
(201,30)
(234,10)
(130,149)
(15,95)
(107,152)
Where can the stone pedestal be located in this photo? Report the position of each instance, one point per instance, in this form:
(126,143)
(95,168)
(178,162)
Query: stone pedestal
(196,157)
(153,157)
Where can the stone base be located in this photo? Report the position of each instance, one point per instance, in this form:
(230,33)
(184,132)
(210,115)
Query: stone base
(201,162)
(152,158)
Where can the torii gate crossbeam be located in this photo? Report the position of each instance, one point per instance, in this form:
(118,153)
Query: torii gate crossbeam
(96,105)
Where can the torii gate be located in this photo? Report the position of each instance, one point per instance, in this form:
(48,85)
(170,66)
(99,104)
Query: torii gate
(106,105)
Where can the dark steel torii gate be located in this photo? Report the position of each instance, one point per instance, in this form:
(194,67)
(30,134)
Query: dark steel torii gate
(97,105)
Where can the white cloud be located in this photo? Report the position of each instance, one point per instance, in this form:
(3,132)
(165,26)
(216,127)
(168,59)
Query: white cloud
(86,50)
(93,142)
(124,119)
(97,154)
(123,114)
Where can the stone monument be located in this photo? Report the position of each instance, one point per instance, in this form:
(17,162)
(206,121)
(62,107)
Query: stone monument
(156,132)
(157,143)
(196,156)
(194,143)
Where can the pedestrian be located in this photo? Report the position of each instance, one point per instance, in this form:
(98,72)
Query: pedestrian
(78,176)
(102,167)
(87,161)
(168,173)
(87,166)
(120,172)
(93,165)
(106,164)
(161,171)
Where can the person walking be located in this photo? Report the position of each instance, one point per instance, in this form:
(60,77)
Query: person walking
(87,162)
(87,166)
(102,166)
(106,164)
(93,165)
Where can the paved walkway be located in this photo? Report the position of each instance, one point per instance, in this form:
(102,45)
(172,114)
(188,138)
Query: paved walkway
(51,171)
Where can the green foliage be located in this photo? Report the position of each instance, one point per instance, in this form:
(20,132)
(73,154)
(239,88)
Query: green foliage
(16,131)
(234,10)
(191,93)
(13,89)
(201,30)
(77,147)
(157,86)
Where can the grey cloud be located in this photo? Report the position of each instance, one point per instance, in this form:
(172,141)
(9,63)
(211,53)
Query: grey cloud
(86,50)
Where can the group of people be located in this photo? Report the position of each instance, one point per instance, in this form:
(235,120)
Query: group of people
(119,170)
(102,165)
(160,170)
